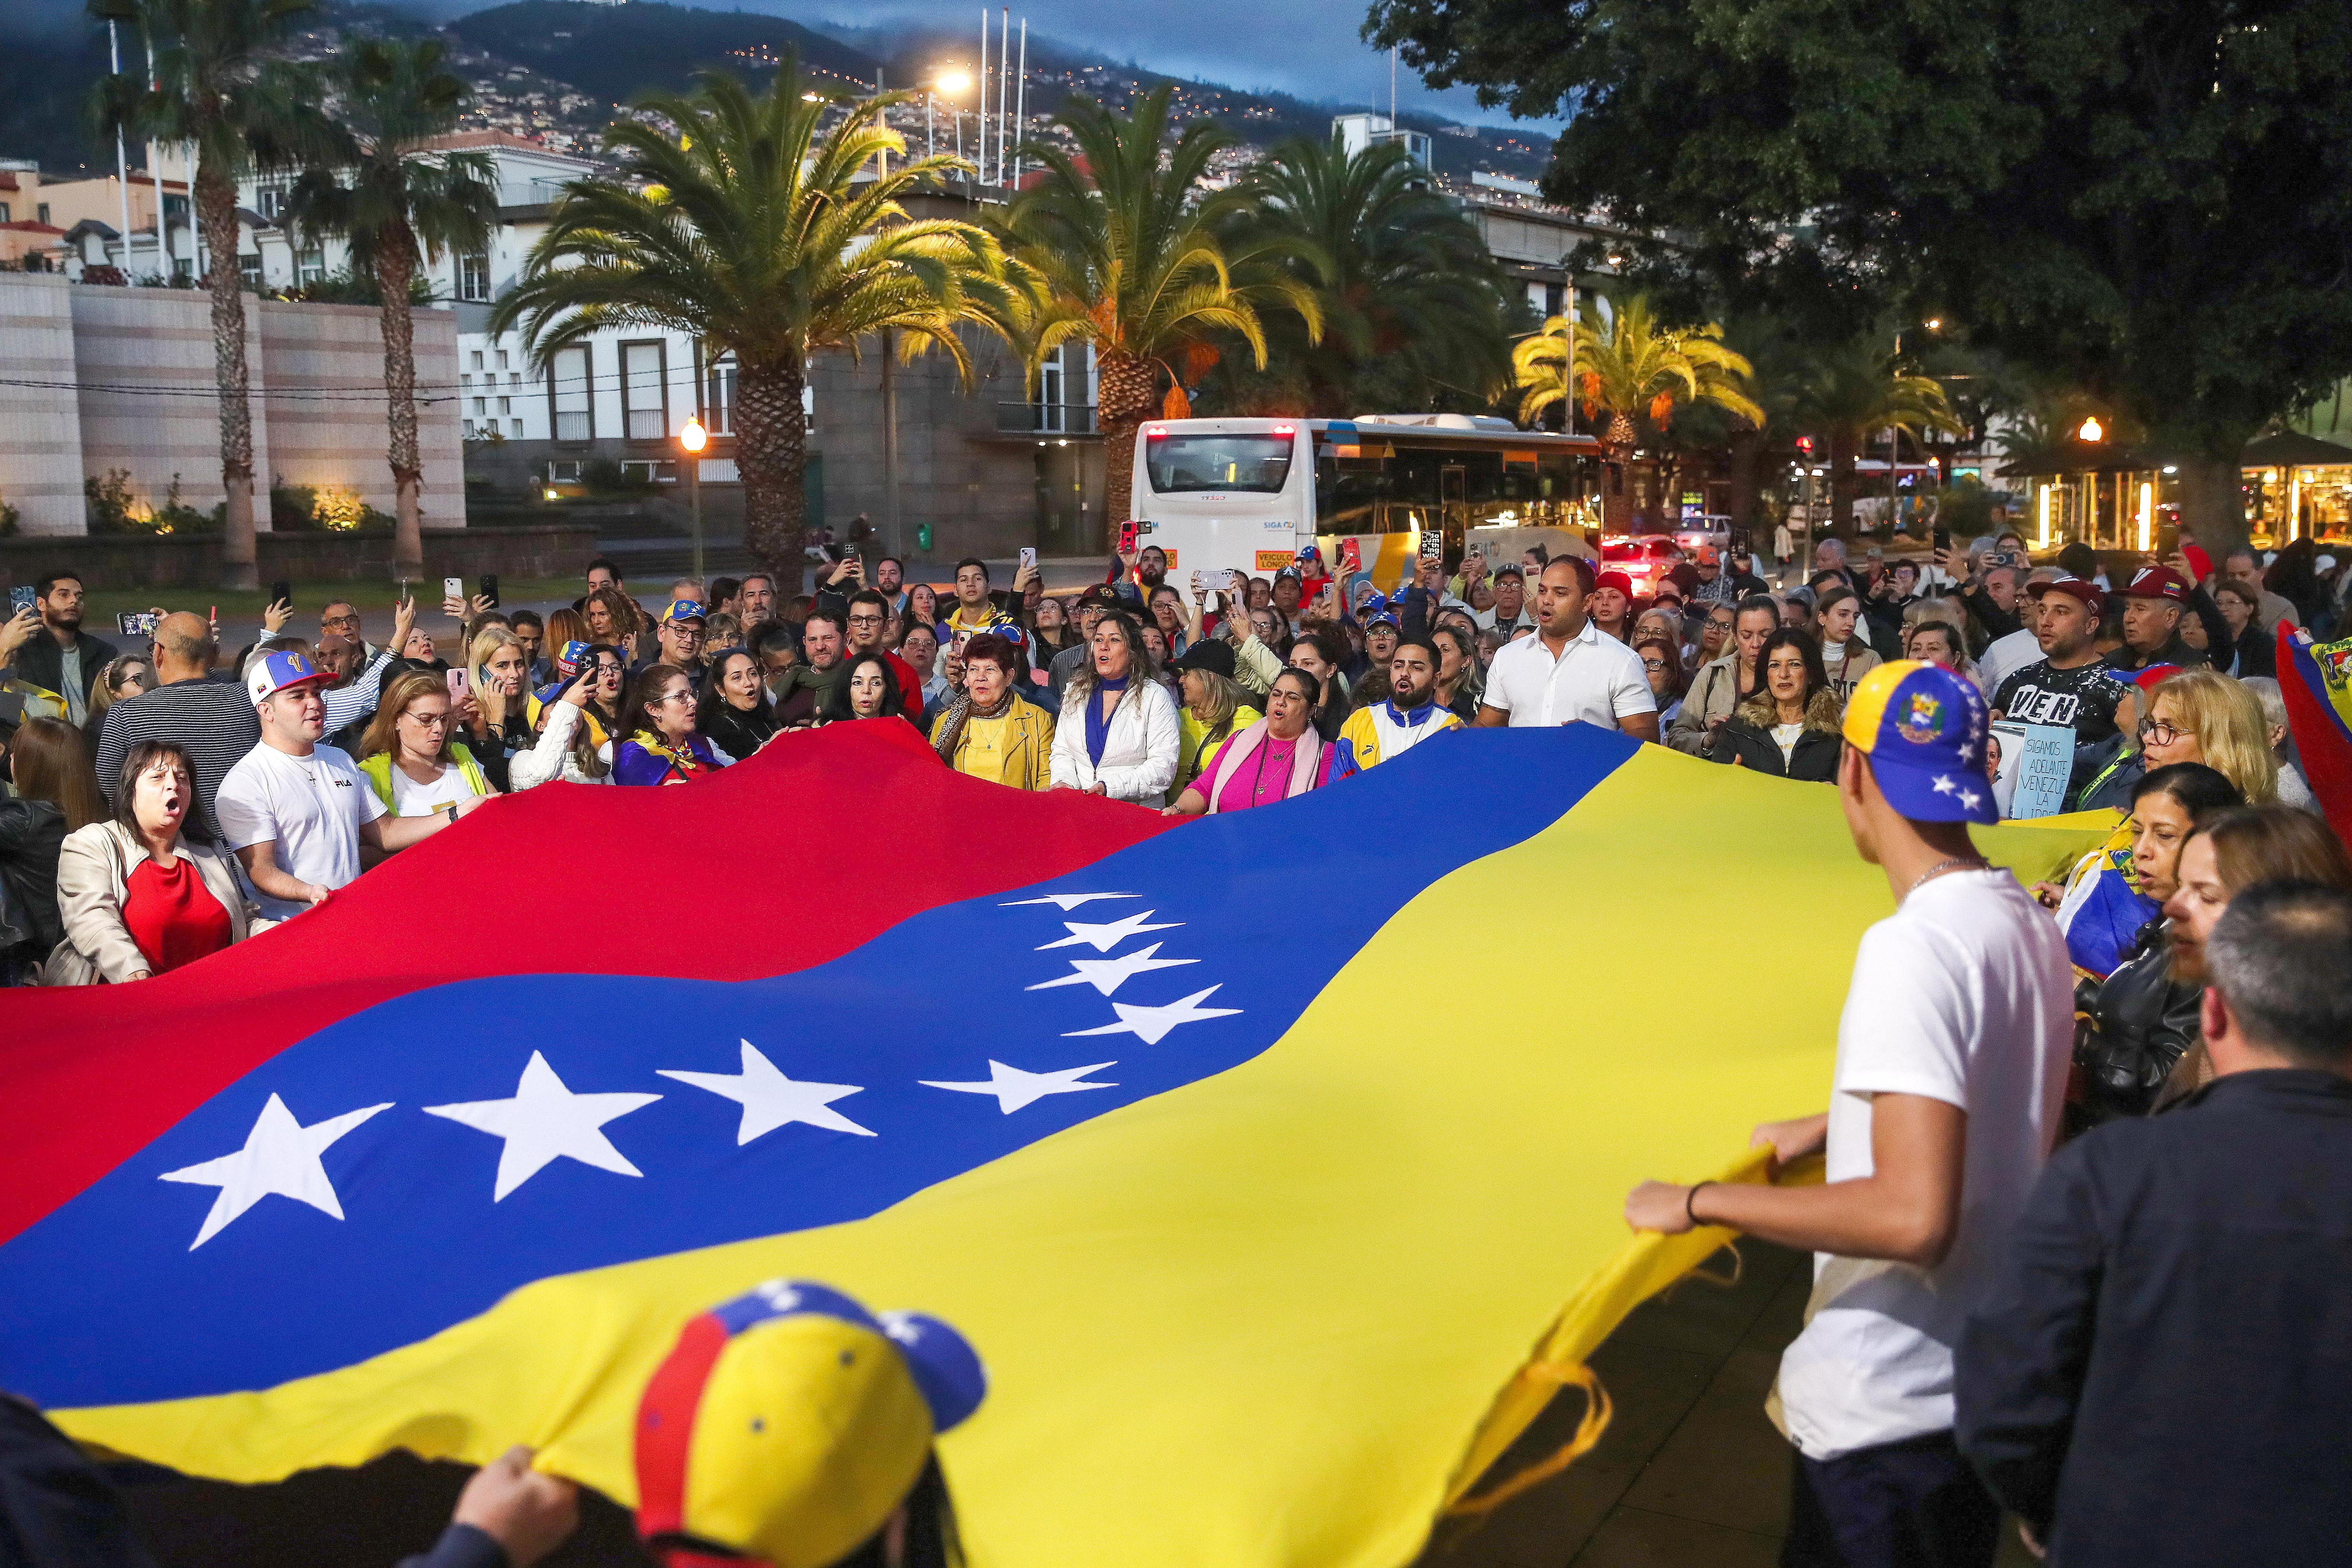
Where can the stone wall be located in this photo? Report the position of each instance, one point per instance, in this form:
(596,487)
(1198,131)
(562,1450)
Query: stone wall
(122,378)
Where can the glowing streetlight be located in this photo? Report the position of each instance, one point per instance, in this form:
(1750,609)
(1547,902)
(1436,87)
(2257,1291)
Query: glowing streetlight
(1935,323)
(2091,429)
(955,82)
(694,438)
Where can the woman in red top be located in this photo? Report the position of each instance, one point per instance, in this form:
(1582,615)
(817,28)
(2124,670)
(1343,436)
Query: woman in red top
(138,900)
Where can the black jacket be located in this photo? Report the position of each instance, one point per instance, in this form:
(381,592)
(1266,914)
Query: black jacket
(32,835)
(57,1507)
(43,662)
(2160,1374)
(1814,759)
(2132,1026)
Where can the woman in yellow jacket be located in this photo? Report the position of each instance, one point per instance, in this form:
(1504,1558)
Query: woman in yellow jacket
(988,731)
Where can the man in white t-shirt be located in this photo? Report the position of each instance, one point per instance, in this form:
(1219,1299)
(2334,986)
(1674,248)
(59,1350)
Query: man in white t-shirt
(1568,670)
(297,812)
(1951,1069)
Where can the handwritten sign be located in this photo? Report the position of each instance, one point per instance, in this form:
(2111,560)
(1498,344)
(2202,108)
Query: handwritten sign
(2032,764)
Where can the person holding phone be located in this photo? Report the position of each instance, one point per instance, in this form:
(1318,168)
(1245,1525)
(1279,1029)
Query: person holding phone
(411,757)
(567,747)
(59,656)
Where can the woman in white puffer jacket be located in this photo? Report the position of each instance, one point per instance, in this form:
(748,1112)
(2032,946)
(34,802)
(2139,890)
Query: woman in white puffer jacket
(1119,734)
(564,748)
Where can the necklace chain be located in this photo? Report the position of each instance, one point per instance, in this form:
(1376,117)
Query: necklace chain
(1950,863)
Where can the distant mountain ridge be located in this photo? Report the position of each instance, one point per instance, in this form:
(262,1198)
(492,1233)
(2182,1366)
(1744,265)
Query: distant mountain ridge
(556,67)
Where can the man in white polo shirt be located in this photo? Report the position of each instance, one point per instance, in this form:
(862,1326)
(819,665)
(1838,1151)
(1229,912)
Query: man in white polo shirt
(297,812)
(1568,670)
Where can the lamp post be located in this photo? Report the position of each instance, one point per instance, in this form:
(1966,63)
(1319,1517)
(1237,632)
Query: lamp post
(694,438)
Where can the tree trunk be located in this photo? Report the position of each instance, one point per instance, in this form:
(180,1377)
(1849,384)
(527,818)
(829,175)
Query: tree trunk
(396,263)
(1616,451)
(1124,384)
(216,198)
(1747,453)
(772,457)
(2212,505)
(1842,483)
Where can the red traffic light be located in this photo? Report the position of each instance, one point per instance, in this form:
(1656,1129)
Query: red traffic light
(1805,444)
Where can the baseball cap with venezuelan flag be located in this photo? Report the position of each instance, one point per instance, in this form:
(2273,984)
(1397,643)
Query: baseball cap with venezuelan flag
(788,1424)
(1923,728)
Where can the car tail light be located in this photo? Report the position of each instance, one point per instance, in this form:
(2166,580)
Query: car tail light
(1154,434)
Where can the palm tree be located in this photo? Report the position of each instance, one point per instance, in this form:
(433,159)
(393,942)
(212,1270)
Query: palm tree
(402,205)
(1412,302)
(1134,258)
(214,85)
(1624,363)
(1854,391)
(765,241)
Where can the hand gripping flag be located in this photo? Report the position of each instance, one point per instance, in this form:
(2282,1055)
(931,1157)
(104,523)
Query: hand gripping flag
(1273,1162)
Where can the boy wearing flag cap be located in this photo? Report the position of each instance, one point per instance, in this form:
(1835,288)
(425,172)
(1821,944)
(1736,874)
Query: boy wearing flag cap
(1952,1068)
(297,812)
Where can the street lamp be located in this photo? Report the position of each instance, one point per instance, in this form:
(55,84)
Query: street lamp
(2091,429)
(694,438)
(954,84)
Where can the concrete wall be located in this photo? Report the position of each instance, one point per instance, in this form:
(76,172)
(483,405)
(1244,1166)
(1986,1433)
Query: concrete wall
(125,381)
(40,427)
(144,366)
(326,420)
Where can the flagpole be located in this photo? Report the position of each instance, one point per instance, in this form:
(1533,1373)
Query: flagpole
(121,157)
(1021,105)
(981,163)
(1004,85)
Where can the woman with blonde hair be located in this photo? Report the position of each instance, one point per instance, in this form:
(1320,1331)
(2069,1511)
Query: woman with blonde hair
(123,678)
(411,756)
(2194,716)
(495,715)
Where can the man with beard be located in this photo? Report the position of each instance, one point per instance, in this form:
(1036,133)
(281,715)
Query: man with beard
(1384,731)
(801,691)
(59,657)
(891,581)
(759,598)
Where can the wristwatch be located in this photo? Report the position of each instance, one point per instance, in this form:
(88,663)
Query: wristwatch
(452,810)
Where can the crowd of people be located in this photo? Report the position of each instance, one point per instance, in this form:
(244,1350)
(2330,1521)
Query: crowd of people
(2171,1016)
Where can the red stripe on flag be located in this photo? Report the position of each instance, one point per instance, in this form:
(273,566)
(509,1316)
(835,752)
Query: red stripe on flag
(818,845)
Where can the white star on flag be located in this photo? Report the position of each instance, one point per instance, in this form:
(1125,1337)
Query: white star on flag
(1967,752)
(1944,785)
(1103,937)
(1969,799)
(281,1155)
(544,1123)
(1108,975)
(1015,1089)
(1154,1023)
(1065,902)
(770,1099)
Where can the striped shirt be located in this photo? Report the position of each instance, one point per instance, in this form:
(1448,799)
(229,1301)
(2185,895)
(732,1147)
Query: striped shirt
(213,719)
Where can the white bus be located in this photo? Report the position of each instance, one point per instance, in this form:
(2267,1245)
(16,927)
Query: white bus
(1248,495)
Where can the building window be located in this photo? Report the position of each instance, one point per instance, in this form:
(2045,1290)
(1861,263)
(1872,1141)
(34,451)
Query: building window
(563,470)
(248,271)
(719,412)
(502,360)
(175,209)
(5,215)
(644,415)
(506,406)
(311,266)
(649,470)
(478,359)
(481,406)
(41,213)
(269,201)
(568,395)
(517,429)
(474,277)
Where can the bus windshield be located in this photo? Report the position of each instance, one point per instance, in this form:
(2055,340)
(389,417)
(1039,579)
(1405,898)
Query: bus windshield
(1258,464)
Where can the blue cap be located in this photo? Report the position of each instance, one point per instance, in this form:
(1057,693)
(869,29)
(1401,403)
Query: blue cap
(1924,729)
(275,672)
(682,610)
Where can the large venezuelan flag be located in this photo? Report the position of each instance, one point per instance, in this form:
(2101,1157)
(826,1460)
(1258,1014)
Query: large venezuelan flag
(1274,1161)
